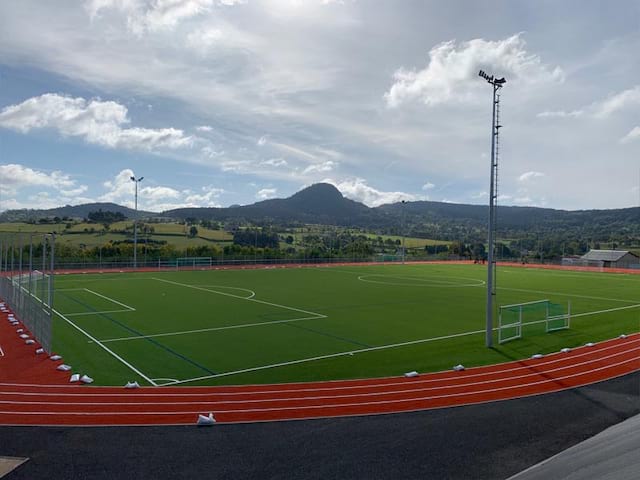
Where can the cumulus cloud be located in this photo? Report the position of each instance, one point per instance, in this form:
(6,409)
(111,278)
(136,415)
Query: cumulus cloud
(156,198)
(54,188)
(428,186)
(357,189)
(97,122)
(452,72)
(266,193)
(15,176)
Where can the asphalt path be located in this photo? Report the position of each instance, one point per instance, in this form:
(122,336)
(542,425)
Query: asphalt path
(485,441)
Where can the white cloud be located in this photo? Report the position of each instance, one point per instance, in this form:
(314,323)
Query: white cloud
(602,109)
(266,193)
(528,176)
(207,198)
(561,114)
(74,192)
(626,99)
(452,72)
(204,128)
(634,134)
(221,36)
(262,140)
(157,198)
(17,181)
(357,189)
(428,186)
(153,15)
(96,121)
(275,162)
(320,167)
(15,176)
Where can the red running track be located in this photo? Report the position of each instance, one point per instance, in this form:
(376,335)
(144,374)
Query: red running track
(33,392)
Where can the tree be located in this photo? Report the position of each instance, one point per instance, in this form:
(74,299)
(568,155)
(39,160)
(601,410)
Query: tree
(193,231)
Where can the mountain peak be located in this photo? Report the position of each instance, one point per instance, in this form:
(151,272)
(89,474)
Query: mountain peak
(319,192)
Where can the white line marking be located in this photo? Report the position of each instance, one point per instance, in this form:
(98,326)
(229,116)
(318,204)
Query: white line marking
(420,281)
(115,355)
(1,351)
(330,396)
(111,300)
(200,330)
(252,293)
(589,297)
(573,315)
(97,313)
(161,379)
(384,347)
(319,315)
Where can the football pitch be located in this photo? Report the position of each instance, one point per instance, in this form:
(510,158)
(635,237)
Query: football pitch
(269,325)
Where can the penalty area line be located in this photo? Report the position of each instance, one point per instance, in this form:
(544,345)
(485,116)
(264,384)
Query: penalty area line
(210,329)
(111,300)
(101,312)
(107,349)
(319,315)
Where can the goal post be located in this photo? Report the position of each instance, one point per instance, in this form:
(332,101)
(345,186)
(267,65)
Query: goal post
(558,319)
(512,318)
(194,262)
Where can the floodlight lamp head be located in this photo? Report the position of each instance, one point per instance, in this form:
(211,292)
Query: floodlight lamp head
(140,179)
(133,179)
(500,81)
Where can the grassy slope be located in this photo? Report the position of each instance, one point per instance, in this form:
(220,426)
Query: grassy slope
(428,303)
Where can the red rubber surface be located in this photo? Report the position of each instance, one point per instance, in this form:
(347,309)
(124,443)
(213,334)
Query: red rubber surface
(33,392)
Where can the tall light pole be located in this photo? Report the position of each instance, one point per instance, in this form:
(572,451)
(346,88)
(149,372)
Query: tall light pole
(403,220)
(497,84)
(135,224)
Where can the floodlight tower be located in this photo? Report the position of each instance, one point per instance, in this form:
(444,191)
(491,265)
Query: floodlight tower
(497,84)
(135,223)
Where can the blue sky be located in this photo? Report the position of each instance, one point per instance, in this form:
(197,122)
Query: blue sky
(220,102)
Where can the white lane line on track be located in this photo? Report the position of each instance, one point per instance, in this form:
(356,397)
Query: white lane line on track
(557,357)
(329,397)
(344,405)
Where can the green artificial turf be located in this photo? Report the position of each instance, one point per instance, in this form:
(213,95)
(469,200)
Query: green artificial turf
(269,325)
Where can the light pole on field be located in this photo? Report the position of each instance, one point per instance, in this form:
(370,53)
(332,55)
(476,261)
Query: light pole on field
(135,223)
(403,224)
(497,84)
